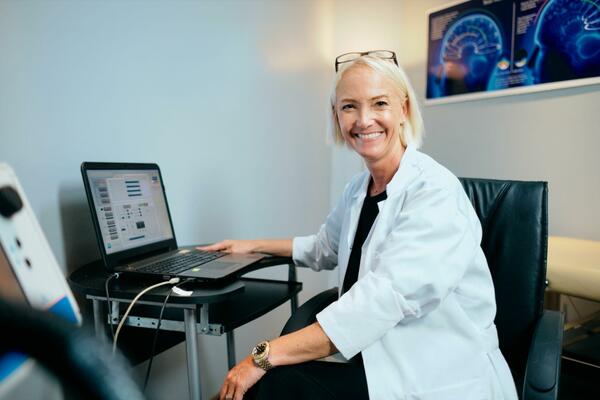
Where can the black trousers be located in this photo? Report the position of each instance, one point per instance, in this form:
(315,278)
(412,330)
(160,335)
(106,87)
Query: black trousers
(312,380)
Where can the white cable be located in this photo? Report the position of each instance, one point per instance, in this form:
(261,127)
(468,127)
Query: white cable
(172,281)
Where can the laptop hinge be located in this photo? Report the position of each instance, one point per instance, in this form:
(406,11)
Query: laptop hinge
(145,256)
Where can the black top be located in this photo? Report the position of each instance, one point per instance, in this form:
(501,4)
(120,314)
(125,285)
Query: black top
(368,214)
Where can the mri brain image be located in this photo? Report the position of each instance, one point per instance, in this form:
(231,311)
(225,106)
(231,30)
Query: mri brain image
(471,50)
(568,40)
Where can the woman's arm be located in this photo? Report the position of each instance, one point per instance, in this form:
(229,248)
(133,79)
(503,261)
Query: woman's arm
(306,344)
(276,247)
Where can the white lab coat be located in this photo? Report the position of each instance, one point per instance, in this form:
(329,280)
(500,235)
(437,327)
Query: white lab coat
(422,311)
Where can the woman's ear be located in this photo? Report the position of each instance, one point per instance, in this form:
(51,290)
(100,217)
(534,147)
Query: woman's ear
(334,128)
(341,138)
(405,108)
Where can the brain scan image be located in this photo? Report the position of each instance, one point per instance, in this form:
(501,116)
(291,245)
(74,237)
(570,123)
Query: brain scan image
(484,46)
(471,50)
(567,40)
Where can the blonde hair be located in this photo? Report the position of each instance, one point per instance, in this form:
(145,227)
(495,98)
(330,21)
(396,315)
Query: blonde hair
(413,131)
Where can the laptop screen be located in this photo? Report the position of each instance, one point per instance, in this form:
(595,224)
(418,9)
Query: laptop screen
(131,209)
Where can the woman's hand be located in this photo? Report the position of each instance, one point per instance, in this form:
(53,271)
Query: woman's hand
(232,246)
(306,344)
(275,247)
(239,379)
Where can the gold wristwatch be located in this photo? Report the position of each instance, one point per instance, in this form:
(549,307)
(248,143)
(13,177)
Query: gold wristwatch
(260,355)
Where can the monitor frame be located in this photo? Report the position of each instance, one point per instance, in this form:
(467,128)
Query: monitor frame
(125,256)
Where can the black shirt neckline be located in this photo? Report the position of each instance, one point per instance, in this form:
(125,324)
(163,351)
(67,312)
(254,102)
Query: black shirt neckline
(378,197)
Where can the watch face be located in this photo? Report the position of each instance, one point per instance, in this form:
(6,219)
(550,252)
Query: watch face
(260,354)
(259,350)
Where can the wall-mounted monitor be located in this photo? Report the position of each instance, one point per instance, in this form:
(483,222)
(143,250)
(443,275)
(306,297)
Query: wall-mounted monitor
(484,48)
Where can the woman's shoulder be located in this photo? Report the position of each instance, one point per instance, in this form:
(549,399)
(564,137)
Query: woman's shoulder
(433,175)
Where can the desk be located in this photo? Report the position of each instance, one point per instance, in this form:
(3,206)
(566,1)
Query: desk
(574,270)
(574,267)
(212,309)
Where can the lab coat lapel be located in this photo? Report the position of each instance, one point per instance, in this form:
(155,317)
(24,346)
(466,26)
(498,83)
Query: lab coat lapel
(354,206)
(406,173)
(358,198)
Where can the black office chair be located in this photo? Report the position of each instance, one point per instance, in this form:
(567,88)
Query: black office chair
(514,218)
(86,368)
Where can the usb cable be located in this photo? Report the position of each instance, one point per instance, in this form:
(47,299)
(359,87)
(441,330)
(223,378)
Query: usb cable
(172,281)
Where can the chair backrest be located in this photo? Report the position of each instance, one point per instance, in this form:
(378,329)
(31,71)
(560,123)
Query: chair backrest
(514,218)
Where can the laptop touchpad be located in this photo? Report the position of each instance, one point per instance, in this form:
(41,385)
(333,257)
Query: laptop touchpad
(219,265)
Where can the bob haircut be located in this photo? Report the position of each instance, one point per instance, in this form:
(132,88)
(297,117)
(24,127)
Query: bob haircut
(413,131)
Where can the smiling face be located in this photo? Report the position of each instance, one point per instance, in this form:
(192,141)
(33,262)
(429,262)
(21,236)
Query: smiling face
(370,111)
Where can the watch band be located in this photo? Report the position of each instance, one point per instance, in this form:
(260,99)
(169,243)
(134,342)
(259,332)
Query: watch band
(264,364)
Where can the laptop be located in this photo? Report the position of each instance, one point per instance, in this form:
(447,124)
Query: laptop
(134,229)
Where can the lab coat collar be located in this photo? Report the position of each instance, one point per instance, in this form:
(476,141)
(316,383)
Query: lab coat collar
(407,171)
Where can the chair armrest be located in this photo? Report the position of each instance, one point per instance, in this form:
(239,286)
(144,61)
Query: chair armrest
(543,363)
(306,314)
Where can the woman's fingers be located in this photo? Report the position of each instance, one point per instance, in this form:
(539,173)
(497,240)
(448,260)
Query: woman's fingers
(239,394)
(231,246)
(231,390)
(208,248)
(227,391)
(223,391)
(239,379)
(220,246)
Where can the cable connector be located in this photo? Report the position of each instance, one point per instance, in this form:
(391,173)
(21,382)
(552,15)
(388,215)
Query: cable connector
(173,281)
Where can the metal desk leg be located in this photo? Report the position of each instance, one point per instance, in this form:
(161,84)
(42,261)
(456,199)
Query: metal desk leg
(230,349)
(193,362)
(98,320)
(292,277)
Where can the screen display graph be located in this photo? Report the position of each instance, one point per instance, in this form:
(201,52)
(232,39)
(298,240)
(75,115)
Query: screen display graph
(131,208)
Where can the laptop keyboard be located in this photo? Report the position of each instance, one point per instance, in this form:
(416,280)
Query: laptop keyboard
(181,262)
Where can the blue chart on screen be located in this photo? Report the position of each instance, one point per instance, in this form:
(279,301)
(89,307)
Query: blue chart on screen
(471,49)
(481,46)
(568,37)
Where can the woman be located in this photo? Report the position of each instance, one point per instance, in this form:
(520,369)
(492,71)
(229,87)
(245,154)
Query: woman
(415,315)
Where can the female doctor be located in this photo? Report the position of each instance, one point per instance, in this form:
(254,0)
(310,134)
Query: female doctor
(415,316)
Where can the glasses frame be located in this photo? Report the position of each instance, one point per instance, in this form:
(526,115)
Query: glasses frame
(364,53)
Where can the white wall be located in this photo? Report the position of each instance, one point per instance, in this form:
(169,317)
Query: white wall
(227,96)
